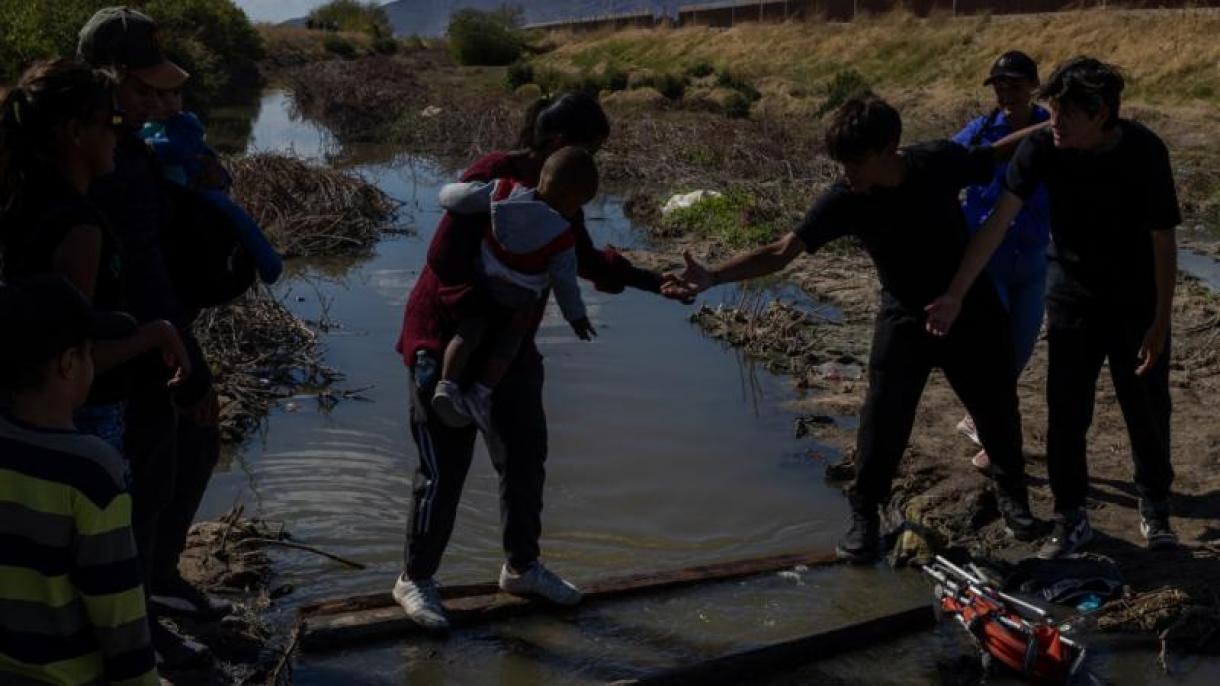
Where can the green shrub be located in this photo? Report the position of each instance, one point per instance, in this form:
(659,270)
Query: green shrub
(614,79)
(340,46)
(519,73)
(739,218)
(700,69)
(351,15)
(485,38)
(385,46)
(843,86)
(732,81)
(672,86)
(737,105)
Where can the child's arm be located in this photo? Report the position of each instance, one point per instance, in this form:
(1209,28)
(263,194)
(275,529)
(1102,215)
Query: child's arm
(468,198)
(562,268)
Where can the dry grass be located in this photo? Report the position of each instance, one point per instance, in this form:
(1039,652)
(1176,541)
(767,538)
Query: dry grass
(292,47)
(310,210)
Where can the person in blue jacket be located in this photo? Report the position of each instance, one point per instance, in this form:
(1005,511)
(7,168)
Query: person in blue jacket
(177,139)
(1018,268)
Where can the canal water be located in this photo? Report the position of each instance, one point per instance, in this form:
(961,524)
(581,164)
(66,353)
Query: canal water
(666,449)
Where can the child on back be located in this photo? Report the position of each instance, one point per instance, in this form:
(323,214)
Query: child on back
(75,603)
(177,139)
(529,249)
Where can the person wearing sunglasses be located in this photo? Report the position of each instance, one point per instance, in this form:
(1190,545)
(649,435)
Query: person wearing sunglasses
(57,134)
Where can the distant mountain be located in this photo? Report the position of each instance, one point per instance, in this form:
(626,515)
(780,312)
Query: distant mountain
(431,17)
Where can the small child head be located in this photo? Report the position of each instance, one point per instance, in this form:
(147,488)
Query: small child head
(47,345)
(569,179)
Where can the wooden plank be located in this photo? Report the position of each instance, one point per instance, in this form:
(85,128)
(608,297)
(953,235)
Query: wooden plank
(749,665)
(372,601)
(349,621)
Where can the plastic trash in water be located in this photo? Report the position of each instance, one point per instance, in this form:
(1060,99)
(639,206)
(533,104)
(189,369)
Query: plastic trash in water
(1089,603)
(682,201)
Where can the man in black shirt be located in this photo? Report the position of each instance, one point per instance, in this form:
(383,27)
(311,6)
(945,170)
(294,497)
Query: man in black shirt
(902,204)
(1113,267)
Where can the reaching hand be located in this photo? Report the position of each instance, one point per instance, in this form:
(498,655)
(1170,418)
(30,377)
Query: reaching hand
(1152,348)
(942,313)
(173,352)
(691,281)
(584,330)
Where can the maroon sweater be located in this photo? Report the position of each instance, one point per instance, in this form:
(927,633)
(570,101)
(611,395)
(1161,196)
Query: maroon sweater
(447,288)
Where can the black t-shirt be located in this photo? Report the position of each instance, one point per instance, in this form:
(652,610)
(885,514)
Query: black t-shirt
(915,232)
(1104,207)
(32,229)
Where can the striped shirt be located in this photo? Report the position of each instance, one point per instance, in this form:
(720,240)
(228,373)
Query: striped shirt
(71,601)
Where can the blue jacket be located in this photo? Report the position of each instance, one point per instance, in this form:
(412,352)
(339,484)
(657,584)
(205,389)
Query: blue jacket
(1031,230)
(178,142)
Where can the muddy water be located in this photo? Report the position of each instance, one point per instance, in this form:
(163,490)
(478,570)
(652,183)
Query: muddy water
(666,449)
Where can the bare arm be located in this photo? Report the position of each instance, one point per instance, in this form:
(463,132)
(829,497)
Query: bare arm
(767,259)
(1165,260)
(944,310)
(1007,146)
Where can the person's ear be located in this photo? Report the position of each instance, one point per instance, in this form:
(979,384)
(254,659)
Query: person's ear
(67,365)
(1102,116)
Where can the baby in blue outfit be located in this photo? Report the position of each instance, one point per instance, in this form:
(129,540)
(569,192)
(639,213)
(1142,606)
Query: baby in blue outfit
(177,139)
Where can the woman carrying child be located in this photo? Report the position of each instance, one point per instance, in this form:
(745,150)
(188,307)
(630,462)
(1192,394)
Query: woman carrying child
(449,290)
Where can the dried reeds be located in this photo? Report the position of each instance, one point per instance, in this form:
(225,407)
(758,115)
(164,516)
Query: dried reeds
(260,352)
(308,210)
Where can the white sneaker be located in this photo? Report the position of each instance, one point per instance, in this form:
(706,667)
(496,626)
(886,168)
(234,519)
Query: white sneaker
(540,582)
(478,407)
(422,602)
(449,405)
(967,428)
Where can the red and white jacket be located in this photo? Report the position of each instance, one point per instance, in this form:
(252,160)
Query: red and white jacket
(528,243)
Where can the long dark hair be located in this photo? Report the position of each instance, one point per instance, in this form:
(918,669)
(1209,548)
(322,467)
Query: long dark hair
(576,116)
(48,95)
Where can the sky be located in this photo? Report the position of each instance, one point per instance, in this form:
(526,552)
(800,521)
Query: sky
(277,10)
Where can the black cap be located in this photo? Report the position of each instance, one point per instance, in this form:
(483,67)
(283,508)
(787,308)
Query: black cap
(1013,64)
(123,37)
(44,316)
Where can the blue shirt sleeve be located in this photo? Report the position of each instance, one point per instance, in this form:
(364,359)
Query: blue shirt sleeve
(968,132)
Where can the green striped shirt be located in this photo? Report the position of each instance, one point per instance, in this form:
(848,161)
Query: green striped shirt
(71,602)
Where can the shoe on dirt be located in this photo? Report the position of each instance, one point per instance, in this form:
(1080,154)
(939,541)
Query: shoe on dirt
(421,600)
(862,543)
(1071,532)
(538,581)
(177,597)
(967,428)
(449,405)
(1019,522)
(1154,525)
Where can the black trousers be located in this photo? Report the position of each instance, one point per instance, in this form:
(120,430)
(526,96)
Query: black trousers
(977,360)
(1080,338)
(444,460)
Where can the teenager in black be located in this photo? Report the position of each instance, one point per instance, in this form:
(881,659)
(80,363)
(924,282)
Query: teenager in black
(902,204)
(1113,267)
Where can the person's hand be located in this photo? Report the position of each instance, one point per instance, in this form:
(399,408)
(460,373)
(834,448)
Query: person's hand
(942,312)
(204,413)
(173,351)
(584,330)
(1153,347)
(688,283)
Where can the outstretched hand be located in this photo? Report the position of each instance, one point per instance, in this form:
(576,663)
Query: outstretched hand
(688,283)
(1152,348)
(942,312)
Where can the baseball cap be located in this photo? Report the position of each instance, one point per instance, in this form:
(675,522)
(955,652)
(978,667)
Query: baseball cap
(1013,64)
(123,37)
(44,316)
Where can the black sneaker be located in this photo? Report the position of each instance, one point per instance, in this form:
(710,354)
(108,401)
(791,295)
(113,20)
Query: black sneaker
(1071,532)
(177,597)
(862,543)
(1019,522)
(176,651)
(1154,525)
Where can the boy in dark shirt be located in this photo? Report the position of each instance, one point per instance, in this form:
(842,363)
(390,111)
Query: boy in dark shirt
(902,203)
(1113,268)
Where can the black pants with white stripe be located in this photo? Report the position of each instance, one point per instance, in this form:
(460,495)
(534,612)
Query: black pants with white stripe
(444,460)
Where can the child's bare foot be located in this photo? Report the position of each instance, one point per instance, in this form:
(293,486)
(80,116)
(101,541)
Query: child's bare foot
(449,405)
